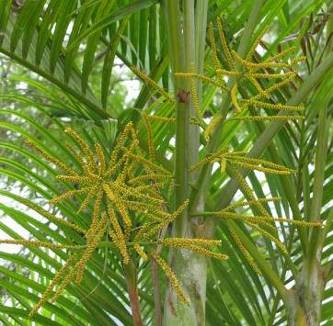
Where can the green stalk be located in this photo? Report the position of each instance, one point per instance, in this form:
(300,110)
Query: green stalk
(177,59)
(200,35)
(187,32)
(329,30)
(202,183)
(310,282)
(190,64)
(318,187)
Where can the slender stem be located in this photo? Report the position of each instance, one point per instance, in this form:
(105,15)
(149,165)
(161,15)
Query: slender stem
(251,24)
(186,56)
(200,37)
(327,228)
(175,36)
(189,34)
(156,283)
(191,66)
(177,59)
(319,177)
(157,294)
(200,42)
(203,180)
(130,274)
(329,30)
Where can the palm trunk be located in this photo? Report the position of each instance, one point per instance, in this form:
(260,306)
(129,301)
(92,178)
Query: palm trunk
(306,300)
(192,272)
(186,27)
(311,280)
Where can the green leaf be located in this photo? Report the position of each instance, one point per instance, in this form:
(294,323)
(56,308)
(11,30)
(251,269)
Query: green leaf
(115,16)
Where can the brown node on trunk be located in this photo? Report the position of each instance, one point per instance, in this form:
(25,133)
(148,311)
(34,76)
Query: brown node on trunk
(183,96)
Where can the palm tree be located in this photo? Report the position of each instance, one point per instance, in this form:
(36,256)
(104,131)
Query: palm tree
(120,208)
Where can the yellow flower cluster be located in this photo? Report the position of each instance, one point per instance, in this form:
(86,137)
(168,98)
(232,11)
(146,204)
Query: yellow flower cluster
(196,245)
(118,188)
(74,267)
(172,278)
(264,223)
(265,77)
(260,219)
(239,159)
(38,244)
(244,251)
(153,85)
(124,187)
(60,278)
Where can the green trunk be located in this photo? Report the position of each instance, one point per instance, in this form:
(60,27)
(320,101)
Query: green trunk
(186,25)
(192,272)
(310,282)
(306,300)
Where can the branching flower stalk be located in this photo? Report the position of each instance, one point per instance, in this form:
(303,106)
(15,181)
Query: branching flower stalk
(263,76)
(128,210)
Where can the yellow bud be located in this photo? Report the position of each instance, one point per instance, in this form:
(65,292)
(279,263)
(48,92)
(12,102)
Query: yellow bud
(92,244)
(101,159)
(244,251)
(118,204)
(224,43)
(172,278)
(67,195)
(118,236)
(223,165)
(182,242)
(56,280)
(152,83)
(150,140)
(140,252)
(212,42)
(88,198)
(84,147)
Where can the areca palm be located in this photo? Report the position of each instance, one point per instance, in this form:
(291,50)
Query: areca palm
(232,137)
